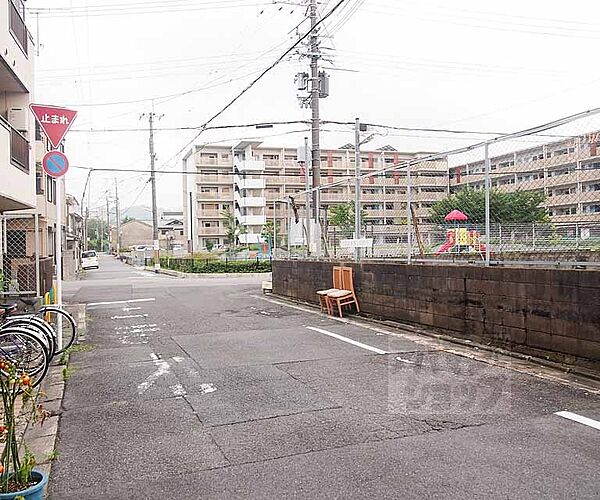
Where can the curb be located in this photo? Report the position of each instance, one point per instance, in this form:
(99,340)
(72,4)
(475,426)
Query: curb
(41,439)
(180,274)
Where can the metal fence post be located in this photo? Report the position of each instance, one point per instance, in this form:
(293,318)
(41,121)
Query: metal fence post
(487,204)
(409,221)
(274,246)
(318,224)
(533,235)
(36,225)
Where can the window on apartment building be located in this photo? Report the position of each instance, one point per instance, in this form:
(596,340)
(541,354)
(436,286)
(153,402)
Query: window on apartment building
(39,183)
(225,206)
(591,209)
(224,156)
(592,187)
(210,223)
(226,189)
(205,171)
(38,131)
(208,189)
(566,211)
(50,190)
(434,189)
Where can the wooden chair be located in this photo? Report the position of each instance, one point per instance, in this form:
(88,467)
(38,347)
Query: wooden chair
(345,296)
(337,285)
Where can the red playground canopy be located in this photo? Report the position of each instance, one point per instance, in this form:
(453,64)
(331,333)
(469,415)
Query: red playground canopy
(455,215)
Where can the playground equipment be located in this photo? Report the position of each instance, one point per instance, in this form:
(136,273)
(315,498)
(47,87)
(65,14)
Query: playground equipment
(460,239)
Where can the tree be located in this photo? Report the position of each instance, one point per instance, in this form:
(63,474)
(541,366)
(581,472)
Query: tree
(230,227)
(343,216)
(209,245)
(232,230)
(515,207)
(127,219)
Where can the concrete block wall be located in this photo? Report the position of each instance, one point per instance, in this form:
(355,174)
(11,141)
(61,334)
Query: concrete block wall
(550,313)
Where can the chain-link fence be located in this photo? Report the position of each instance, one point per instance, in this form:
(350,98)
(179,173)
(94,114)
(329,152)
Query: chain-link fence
(529,197)
(21,268)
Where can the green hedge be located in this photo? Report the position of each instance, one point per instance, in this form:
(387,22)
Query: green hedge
(216,266)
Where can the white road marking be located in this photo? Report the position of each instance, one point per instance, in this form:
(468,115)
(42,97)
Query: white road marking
(177,359)
(128,309)
(579,418)
(154,356)
(349,341)
(207,388)
(92,304)
(405,361)
(130,316)
(163,368)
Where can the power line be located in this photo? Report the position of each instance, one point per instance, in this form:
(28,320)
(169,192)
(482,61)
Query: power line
(259,77)
(147,9)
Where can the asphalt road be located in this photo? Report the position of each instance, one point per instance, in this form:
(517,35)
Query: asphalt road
(205,389)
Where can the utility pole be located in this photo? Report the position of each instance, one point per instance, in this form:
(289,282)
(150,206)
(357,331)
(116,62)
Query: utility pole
(314,105)
(151,117)
(108,221)
(118,219)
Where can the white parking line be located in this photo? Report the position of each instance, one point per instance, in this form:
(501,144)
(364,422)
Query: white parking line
(349,341)
(92,304)
(579,418)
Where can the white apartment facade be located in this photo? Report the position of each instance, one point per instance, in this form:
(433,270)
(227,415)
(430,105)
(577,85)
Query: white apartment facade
(17,131)
(248,179)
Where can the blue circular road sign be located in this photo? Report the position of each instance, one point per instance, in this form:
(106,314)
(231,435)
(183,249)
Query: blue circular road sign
(55,164)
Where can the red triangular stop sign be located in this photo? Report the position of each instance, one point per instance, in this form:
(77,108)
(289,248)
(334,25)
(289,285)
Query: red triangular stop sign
(55,121)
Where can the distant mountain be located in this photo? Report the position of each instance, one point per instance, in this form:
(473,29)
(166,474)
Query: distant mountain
(138,212)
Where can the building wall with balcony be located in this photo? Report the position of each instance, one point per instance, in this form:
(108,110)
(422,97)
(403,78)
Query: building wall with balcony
(16,55)
(249,178)
(567,171)
(17,133)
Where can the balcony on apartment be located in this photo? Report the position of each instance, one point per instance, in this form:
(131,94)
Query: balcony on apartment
(250,165)
(17,189)
(16,65)
(248,183)
(249,201)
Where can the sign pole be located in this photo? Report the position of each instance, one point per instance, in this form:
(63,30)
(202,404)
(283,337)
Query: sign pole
(58,254)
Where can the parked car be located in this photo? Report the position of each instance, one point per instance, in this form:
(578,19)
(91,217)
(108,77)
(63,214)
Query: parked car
(89,259)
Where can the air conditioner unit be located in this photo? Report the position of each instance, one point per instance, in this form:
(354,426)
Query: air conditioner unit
(17,117)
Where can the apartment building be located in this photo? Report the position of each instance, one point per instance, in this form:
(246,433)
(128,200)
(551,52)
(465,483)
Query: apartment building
(247,179)
(567,171)
(17,167)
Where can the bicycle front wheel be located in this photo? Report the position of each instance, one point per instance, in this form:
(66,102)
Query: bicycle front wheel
(25,351)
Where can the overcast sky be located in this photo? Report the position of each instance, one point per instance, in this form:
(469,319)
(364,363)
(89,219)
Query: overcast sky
(465,64)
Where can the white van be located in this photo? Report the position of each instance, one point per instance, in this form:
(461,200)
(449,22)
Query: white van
(89,259)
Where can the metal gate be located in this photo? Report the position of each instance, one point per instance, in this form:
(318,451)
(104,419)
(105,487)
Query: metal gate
(20,266)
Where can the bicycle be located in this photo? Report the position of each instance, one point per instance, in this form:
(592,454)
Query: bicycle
(52,320)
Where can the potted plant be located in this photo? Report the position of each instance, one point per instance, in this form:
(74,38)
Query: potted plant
(18,479)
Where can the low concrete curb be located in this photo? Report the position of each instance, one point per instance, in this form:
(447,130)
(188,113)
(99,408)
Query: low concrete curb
(179,274)
(41,439)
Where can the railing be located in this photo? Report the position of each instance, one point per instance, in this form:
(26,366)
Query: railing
(19,150)
(17,25)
